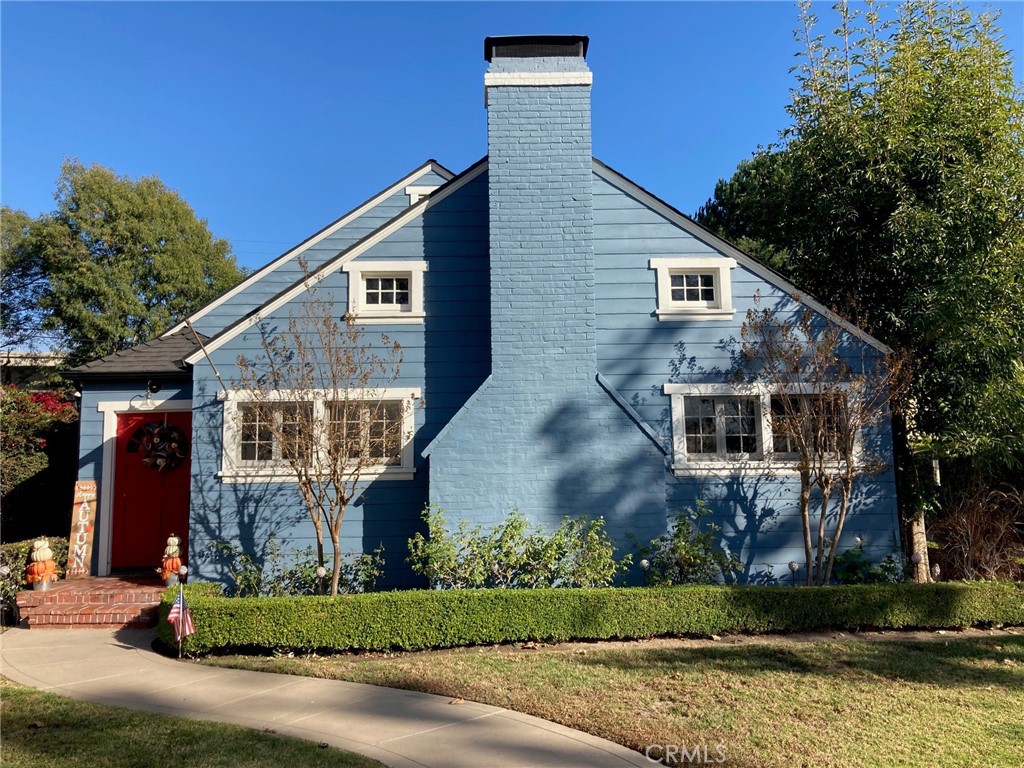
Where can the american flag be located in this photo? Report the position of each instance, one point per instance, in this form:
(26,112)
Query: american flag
(181,618)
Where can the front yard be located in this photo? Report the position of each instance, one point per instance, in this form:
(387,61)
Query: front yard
(834,699)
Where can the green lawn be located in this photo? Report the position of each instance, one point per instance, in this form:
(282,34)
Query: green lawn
(835,700)
(43,730)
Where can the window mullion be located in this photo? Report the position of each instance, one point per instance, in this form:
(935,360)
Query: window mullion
(719,425)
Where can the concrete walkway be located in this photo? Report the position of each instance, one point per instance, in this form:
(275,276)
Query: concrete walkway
(399,728)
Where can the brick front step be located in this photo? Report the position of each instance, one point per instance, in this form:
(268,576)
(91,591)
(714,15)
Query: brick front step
(110,615)
(93,602)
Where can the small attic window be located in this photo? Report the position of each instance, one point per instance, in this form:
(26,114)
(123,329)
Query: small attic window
(694,288)
(386,291)
(417,193)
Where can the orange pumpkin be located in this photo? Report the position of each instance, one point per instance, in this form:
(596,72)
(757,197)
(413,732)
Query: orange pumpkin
(170,567)
(41,570)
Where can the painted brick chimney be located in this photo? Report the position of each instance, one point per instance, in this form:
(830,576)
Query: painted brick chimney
(540,172)
(543,430)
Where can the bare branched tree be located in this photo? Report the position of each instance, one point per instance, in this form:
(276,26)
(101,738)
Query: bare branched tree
(825,394)
(316,403)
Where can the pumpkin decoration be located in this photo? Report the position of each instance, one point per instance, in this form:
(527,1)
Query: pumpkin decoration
(172,558)
(41,568)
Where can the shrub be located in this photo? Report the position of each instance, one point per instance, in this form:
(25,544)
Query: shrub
(981,537)
(689,553)
(14,557)
(26,422)
(419,619)
(579,553)
(283,573)
(854,567)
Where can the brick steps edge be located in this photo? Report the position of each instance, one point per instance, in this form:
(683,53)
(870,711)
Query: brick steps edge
(36,599)
(111,615)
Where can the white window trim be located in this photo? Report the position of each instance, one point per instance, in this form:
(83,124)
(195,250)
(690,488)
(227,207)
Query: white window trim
(417,192)
(358,270)
(720,266)
(764,462)
(233,470)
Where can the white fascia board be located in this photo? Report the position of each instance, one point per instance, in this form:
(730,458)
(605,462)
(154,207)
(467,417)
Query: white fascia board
(623,184)
(332,266)
(305,245)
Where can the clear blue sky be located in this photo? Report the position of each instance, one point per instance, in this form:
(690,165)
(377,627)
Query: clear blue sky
(273,119)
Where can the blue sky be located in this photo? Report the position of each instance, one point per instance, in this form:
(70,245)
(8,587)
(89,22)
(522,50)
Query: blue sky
(273,119)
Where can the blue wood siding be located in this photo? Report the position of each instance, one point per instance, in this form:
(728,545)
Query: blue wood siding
(280,278)
(639,354)
(447,357)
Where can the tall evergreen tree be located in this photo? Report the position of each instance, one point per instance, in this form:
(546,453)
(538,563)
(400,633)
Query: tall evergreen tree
(122,259)
(898,193)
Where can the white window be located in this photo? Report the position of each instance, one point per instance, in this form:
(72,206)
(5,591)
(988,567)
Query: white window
(725,429)
(260,441)
(386,291)
(694,288)
(722,427)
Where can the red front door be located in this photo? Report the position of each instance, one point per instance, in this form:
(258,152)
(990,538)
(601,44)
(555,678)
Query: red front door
(151,486)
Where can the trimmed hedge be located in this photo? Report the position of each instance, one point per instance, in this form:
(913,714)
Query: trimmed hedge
(415,620)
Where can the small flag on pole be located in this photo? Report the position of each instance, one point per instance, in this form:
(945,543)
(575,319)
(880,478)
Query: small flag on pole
(181,617)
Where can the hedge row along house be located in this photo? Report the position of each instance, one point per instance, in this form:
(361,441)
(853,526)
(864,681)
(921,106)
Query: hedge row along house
(567,337)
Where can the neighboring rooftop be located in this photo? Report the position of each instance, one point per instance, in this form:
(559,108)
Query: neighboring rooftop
(162,358)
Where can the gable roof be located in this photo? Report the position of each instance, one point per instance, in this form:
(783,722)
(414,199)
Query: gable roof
(333,265)
(605,172)
(706,236)
(163,357)
(330,229)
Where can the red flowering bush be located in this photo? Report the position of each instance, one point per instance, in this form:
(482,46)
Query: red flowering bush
(26,418)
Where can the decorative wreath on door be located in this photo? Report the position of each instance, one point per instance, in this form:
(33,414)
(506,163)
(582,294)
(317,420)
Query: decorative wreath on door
(163,446)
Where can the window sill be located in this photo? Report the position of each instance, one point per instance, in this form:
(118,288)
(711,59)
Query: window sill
(280,475)
(390,318)
(677,315)
(747,468)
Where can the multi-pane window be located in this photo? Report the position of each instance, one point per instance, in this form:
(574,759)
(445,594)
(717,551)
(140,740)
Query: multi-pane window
(257,443)
(721,426)
(693,288)
(319,431)
(374,427)
(274,432)
(387,291)
(816,415)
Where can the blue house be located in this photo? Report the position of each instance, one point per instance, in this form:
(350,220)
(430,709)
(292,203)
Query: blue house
(568,334)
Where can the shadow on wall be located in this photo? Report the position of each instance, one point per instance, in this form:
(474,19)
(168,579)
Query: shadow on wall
(607,467)
(245,514)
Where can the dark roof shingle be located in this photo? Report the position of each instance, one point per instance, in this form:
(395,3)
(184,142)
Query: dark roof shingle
(161,357)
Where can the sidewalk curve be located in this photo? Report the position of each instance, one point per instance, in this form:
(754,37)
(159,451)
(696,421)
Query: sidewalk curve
(402,729)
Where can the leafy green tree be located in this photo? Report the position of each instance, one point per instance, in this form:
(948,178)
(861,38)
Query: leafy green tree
(22,280)
(125,260)
(26,421)
(899,190)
